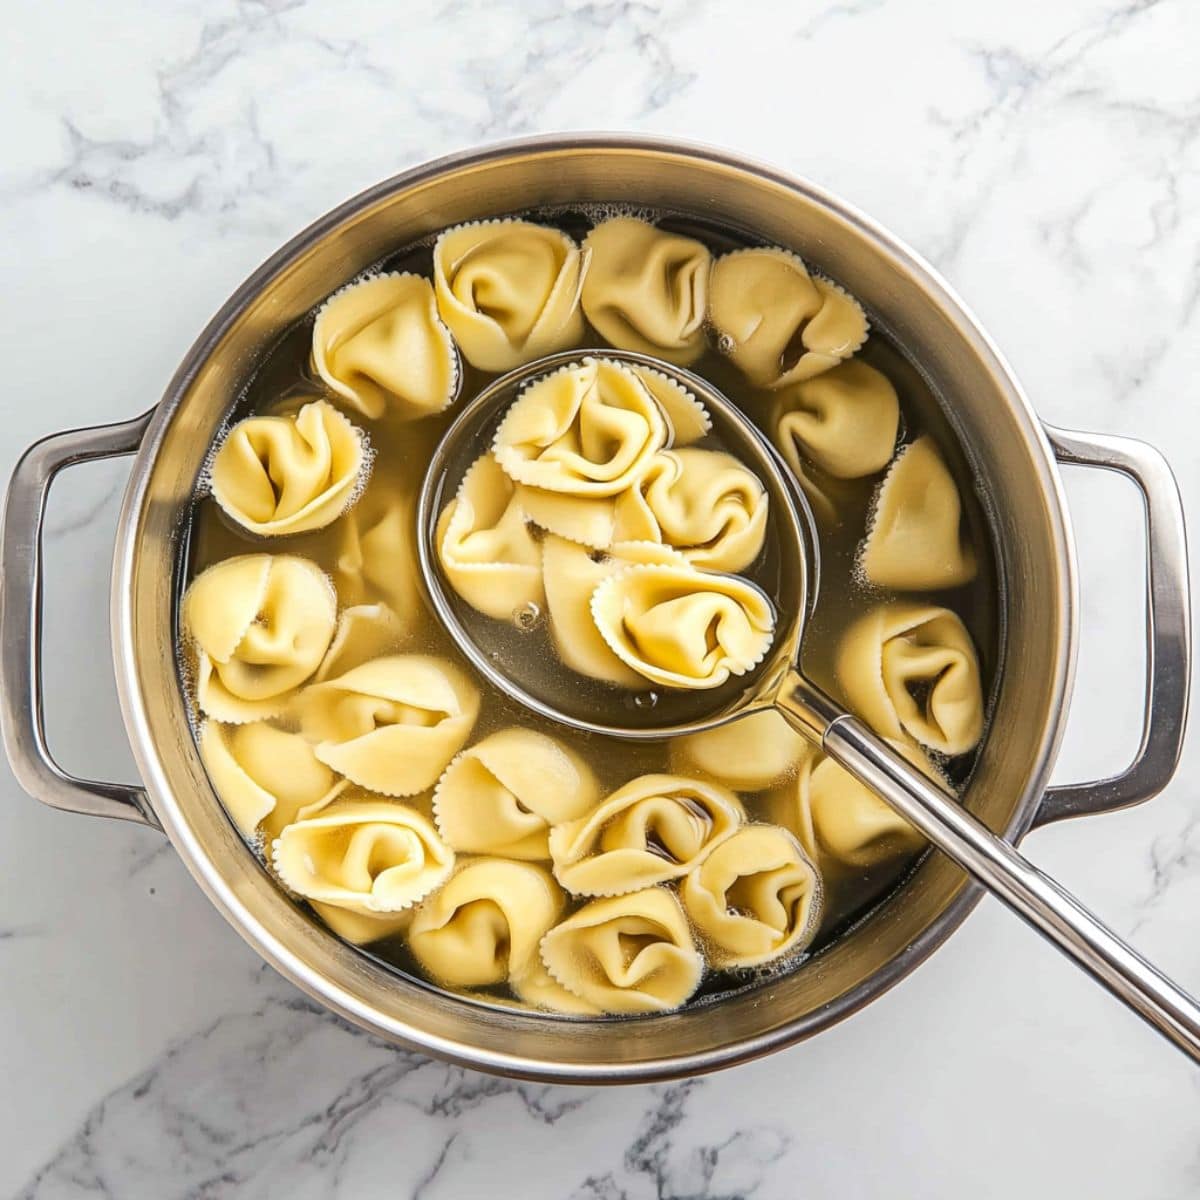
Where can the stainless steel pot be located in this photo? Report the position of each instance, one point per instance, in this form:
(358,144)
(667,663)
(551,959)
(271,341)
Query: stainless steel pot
(1013,454)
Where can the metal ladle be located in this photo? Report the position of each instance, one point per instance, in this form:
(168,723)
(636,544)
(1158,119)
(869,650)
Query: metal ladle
(779,683)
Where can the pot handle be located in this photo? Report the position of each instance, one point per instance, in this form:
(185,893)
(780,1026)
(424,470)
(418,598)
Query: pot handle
(21,713)
(1168,627)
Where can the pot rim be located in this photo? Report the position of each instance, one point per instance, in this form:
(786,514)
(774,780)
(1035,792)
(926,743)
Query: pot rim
(206,871)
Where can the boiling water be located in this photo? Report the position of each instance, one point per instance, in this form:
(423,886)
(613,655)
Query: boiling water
(284,378)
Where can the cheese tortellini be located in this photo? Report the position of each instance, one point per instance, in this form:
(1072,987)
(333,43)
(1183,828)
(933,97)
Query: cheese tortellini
(260,624)
(404,803)
(571,575)
(755,752)
(851,823)
(755,898)
(911,672)
(289,474)
(486,924)
(683,628)
(380,346)
(503,794)
(655,828)
(364,632)
(626,954)
(264,776)
(915,539)
(704,503)
(778,323)
(485,546)
(844,420)
(363,854)
(393,724)
(587,429)
(509,291)
(646,289)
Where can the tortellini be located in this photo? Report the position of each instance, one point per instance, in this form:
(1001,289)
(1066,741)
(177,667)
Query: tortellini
(366,855)
(704,503)
(646,289)
(654,829)
(571,574)
(393,724)
(845,421)
(361,929)
(587,429)
(755,898)
(539,989)
(364,632)
(264,776)
(683,628)
(261,624)
(778,323)
(377,557)
(509,291)
(485,546)
(755,752)
(915,539)
(289,474)
(573,874)
(485,925)
(626,954)
(503,794)
(911,672)
(852,824)
(380,345)
(599,521)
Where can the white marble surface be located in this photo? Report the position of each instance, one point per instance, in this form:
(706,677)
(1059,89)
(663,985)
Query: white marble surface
(1045,156)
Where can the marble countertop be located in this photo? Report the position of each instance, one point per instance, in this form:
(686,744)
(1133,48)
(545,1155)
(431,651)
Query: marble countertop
(1045,156)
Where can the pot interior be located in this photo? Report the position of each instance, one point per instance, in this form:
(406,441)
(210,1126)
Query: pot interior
(999,436)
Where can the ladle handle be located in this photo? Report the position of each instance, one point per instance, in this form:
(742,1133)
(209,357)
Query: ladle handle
(999,866)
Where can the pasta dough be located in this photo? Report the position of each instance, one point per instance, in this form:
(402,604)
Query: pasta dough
(261,624)
(587,429)
(626,954)
(755,898)
(364,632)
(683,628)
(487,551)
(704,503)
(852,824)
(485,925)
(898,652)
(539,989)
(509,290)
(752,753)
(572,574)
(263,775)
(916,540)
(393,724)
(380,346)
(655,828)
(366,855)
(361,929)
(845,420)
(778,323)
(289,474)
(502,795)
(376,555)
(646,289)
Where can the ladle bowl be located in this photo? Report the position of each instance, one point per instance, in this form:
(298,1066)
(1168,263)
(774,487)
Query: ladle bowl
(779,683)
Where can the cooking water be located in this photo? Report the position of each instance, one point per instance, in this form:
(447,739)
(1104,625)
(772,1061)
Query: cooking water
(401,453)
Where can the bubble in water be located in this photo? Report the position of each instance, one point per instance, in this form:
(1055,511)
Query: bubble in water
(528,617)
(725,343)
(645,700)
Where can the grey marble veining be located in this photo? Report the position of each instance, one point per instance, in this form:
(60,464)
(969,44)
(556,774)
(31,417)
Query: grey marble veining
(1046,157)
